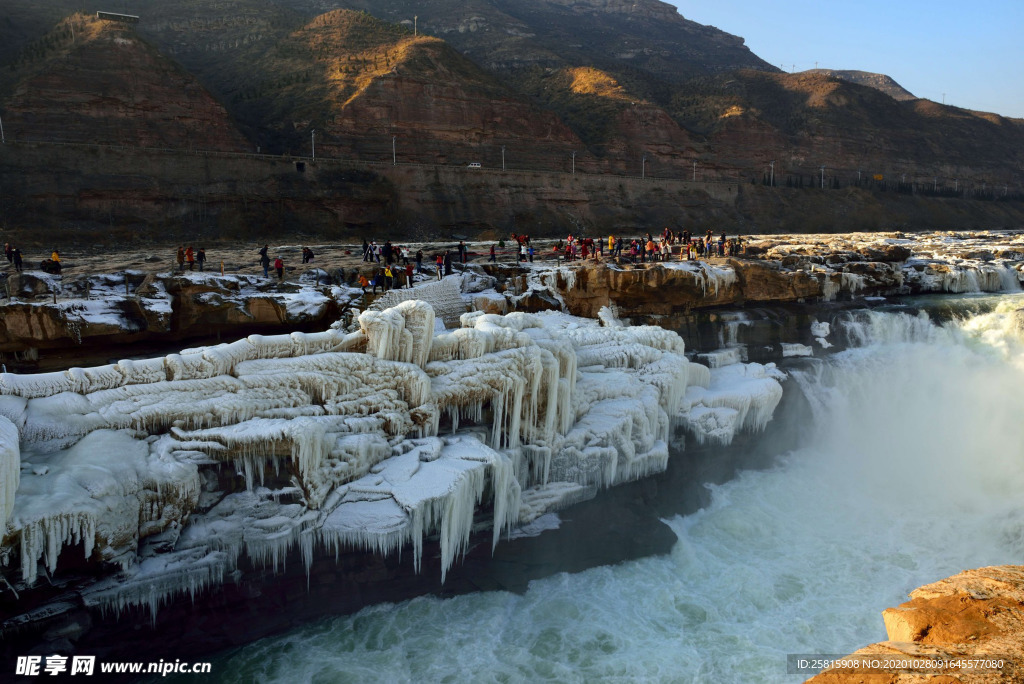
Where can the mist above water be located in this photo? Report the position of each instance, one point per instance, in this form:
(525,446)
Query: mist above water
(912,472)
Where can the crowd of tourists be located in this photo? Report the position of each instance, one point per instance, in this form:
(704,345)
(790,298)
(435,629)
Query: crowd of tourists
(394,264)
(651,248)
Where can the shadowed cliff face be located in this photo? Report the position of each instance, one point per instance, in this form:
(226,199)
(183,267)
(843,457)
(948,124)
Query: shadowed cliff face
(97,81)
(369,82)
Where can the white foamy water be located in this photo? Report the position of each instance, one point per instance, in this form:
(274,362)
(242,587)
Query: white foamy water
(914,472)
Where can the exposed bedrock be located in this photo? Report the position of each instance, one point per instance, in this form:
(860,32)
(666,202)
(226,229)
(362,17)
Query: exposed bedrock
(90,317)
(976,616)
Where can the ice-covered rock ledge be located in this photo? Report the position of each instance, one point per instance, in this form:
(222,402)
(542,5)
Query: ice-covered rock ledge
(47,312)
(161,474)
(975,618)
(777,269)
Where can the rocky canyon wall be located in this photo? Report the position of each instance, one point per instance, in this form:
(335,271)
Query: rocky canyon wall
(90,191)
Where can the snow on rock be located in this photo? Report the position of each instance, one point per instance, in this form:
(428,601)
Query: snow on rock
(444,297)
(170,469)
(795,349)
(106,492)
(10,470)
(738,397)
(720,358)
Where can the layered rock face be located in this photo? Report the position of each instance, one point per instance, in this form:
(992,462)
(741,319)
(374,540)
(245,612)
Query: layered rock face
(95,315)
(107,85)
(975,618)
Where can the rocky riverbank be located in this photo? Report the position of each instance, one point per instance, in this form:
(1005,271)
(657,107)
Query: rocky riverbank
(975,618)
(135,304)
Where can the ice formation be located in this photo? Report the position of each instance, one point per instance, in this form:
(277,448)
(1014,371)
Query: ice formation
(734,398)
(168,470)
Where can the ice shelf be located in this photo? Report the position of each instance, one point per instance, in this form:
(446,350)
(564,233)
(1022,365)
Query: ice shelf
(164,472)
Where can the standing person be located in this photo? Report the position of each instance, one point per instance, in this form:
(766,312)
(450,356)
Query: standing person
(190,257)
(530,249)
(201,258)
(493,256)
(389,278)
(180,257)
(440,266)
(305,259)
(16,256)
(408,273)
(265,260)
(279,267)
(419,261)
(463,251)
(9,252)
(366,250)
(447,262)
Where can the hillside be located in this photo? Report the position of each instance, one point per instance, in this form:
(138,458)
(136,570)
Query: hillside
(360,83)
(602,86)
(96,81)
(881,82)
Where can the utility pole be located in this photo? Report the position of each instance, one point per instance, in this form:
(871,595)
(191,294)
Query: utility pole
(502,157)
(822,168)
(394,153)
(771,179)
(943,98)
(415,26)
(643,168)
(312,137)
(574,163)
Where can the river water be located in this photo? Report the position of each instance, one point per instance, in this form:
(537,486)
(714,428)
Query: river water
(911,471)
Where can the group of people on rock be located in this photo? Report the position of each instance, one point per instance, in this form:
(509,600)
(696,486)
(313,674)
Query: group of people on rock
(264,254)
(186,255)
(388,278)
(650,248)
(388,253)
(524,250)
(13,255)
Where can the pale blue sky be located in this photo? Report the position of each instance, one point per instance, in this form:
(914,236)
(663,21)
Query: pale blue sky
(973,51)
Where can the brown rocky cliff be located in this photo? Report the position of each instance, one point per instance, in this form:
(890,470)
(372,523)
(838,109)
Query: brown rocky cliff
(978,614)
(106,85)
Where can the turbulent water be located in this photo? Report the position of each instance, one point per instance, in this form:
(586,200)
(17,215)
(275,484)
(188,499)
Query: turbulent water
(912,472)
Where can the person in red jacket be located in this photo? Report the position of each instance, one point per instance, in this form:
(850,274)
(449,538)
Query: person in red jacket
(279,267)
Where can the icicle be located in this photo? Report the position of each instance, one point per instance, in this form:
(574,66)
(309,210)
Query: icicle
(10,470)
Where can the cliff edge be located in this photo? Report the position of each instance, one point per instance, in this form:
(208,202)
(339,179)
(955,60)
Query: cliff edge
(973,617)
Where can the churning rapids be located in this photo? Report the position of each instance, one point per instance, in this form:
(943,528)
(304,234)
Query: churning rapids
(911,470)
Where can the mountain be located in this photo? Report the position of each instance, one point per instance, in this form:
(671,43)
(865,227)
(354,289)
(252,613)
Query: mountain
(881,82)
(805,120)
(364,84)
(94,81)
(603,86)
